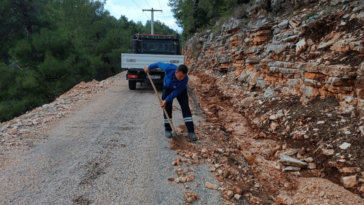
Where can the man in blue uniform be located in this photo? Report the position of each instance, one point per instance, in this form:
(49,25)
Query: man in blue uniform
(175,86)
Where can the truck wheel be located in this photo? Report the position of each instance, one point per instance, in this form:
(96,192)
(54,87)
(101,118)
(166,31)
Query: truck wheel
(132,85)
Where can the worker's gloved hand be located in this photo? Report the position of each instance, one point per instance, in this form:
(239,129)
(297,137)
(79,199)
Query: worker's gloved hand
(146,70)
(164,103)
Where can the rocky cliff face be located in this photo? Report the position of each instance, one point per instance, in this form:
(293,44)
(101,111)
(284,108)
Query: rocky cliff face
(290,56)
(298,78)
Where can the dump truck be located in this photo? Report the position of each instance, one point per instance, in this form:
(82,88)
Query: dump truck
(147,49)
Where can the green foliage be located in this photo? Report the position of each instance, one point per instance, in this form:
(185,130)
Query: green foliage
(204,16)
(48,46)
(331,9)
(216,29)
(241,11)
(313,13)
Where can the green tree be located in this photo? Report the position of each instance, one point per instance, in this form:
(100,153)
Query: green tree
(49,46)
(193,15)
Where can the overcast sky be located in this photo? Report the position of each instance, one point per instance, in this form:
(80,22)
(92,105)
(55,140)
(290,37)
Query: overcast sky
(132,10)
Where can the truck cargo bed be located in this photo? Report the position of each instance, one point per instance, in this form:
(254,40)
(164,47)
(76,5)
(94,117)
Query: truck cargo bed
(139,61)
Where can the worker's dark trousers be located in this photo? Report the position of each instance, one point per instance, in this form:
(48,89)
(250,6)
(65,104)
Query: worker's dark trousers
(186,112)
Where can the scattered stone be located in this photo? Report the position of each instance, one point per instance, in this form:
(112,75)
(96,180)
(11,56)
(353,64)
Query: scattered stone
(290,168)
(345,145)
(276,31)
(283,24)
(350,170)
(191,197)
(291,151)
(239,191)
(302,152)
(262,135)
(288,185)
(182,179)
(249,157)
(301,46)
(328,152)
(283,199)
(226,173)
(322,194)
(361,189)
(186,186)
(230,194)
(310,42)
(274,125)
(274,150)
(237,196)
(211,186)
(349,181)
(293,162)
(311,166)
(358,8)
(309,159)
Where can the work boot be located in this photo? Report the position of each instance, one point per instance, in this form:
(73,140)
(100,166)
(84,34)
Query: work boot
(168,134)
(192,136)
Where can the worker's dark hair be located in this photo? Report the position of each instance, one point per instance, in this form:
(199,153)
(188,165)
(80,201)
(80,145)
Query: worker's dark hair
(182,68)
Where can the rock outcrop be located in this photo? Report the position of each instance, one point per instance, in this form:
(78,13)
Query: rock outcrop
(298,79)
(283,55)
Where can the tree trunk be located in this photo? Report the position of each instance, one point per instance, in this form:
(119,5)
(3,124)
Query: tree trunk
(26,16)
(195,5)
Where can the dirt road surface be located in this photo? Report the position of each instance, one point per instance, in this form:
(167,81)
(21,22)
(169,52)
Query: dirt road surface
(110,151)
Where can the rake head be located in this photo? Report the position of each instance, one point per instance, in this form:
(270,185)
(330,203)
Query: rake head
(179,138)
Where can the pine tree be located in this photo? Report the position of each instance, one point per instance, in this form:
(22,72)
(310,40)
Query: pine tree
(48,46)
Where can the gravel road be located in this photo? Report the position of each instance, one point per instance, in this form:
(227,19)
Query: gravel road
(111,151)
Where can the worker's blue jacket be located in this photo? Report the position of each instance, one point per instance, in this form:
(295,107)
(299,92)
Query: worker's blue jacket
(170,80)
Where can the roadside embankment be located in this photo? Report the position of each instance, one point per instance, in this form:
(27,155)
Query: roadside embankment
(289,93)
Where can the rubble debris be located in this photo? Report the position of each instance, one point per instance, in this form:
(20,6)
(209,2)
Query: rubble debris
(211,186)
(311,166)
(191,197)
(328,152)
(290,168)
(299,91)
(349,181)
(229,194)
(282,199)
(350,170)
(345,145)
(37,120)
(293,162)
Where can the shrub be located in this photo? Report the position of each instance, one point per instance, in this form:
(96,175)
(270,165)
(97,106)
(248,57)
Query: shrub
(241,11)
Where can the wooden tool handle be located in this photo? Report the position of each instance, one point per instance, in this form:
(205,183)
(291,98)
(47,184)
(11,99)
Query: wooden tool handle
(160,101)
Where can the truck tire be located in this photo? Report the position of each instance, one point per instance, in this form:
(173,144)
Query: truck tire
(132,85)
